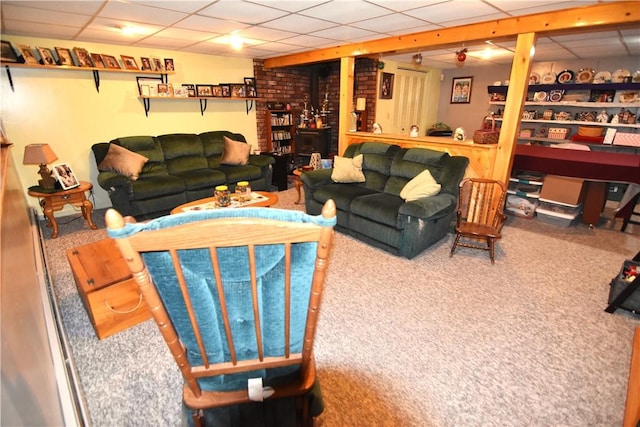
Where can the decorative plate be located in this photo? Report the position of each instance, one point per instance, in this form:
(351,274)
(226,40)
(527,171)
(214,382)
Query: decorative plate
(549,78)
(629,96)
(619,75)
(555,96)
(565,77)
(540,96)
(534,79)
(635,78)
(585,75)
(602,77)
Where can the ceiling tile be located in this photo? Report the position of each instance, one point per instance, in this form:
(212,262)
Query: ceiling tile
(140,13)
(299,24)
(42,16)
(204,23)
(80,7)
(345,11)
(391,23)
(187,6)
(454,10)
(184,34)
(404,5)
(346,33)
(239,11)
(40,30)
(269,34)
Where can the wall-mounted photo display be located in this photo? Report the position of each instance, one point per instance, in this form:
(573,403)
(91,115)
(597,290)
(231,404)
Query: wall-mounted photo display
(237,90)
(146,64)
(157,64)
(217,91)
(64,56)
(461,90)
(83,57)
(204,91)
(148,86)
(191,89)
(129,62)
(27,54)
(46,56)
(8,54)
(225,90)
(168,64)
(250,87)
(386,86)
(97,60)
(111,62)
(65,176)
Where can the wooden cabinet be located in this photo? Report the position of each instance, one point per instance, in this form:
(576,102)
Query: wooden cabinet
(280,131)
(312,141)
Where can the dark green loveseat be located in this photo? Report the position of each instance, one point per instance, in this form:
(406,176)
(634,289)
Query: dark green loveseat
(374,212)
(181,168)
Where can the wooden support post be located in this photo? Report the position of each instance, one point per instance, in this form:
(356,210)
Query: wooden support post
(347,72)
(516,97)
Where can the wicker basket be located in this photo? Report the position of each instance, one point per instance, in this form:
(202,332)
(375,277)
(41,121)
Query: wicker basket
(590,130)
(488,134)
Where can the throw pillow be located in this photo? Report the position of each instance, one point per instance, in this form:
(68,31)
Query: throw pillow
(422,185)
(123,161)
(235,152)
(347,169)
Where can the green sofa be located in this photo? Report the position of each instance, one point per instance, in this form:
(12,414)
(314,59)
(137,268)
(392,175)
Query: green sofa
(182,167)
(374,212)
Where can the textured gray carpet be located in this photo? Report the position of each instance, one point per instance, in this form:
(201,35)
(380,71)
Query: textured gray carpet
(433,341)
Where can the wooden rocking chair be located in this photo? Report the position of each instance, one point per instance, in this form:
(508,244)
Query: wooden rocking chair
(480,214)
(236,295)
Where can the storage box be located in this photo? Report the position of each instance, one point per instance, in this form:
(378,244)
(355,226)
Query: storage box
(555,218)
(524,207)
(109,293)
(563,208)
(619,283)
(558,133)
(562,189)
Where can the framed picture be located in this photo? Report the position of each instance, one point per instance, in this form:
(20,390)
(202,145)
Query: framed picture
(180,92)
(65,176)
(217,91)
(386,86)
(64,56)
(204,91)
(111,62)
(168,64)
(237,90)
(461,90)
(190,88)
(157,64)
(97,60)
(46,56)
(225,90)
(27,54)
(84,59)
(146,64)
(8,54)
(148,86)
(129,62)
(250,87)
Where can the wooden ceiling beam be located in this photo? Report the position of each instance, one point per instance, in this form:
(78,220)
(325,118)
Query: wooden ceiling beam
(595,17)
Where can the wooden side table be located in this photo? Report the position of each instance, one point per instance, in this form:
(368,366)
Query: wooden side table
(298,182)
(51,202)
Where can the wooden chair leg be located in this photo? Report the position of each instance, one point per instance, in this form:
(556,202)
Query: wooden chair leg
(197,415)
(455,244)
(491,244)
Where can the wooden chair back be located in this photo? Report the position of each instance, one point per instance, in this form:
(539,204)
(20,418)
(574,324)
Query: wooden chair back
(235,293)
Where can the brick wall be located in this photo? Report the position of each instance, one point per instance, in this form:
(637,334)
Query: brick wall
(290,85)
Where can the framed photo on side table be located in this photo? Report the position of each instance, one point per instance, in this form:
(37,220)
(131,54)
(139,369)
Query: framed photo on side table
(65,176)
(461,90)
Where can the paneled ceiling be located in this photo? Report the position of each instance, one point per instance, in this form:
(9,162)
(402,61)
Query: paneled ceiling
(271,28)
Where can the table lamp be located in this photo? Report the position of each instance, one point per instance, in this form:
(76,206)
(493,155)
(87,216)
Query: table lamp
(41,154)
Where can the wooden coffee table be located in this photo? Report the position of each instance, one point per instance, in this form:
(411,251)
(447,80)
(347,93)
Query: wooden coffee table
(270,199)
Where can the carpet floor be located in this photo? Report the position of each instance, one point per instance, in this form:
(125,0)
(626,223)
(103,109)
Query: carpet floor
(433,341)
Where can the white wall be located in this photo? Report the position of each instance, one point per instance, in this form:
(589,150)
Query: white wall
(469,116)
(63,109)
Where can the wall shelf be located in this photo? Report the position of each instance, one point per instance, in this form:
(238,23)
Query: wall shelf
(572,86)
(95,71)
(146,101)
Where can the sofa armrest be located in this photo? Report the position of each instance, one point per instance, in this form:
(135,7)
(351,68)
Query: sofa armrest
(316,178)
(108,180)
(432,207)
(260,160)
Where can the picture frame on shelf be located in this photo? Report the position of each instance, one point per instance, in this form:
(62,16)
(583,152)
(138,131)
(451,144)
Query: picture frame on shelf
(146,64)
(148,85)
(237,90)
(46,56)
(204,91)
(83,57)
(386,86)
(65,176)
(165,90)
(157,64)
(65,57)
(191,89)
(27,54)
(8,53)
(97,60)
(111,62)
(251,90)
(168,64)
(225,90)
(129,62)
(217,91)
(461,90)
(180,92)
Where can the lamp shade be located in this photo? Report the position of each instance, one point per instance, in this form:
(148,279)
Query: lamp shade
(38,154)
